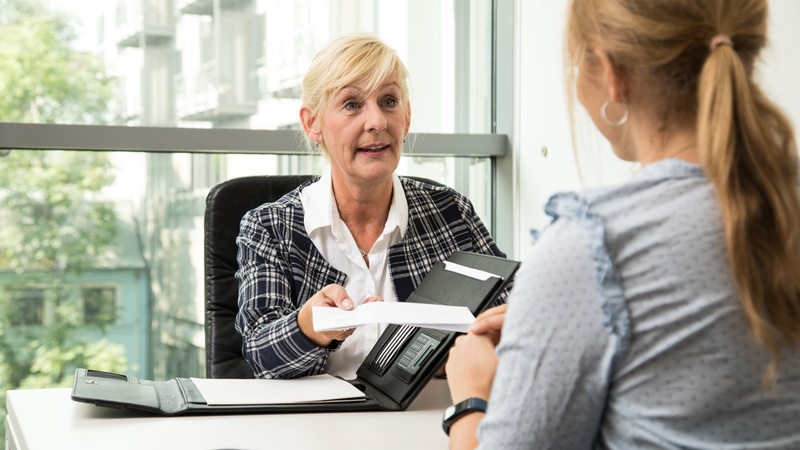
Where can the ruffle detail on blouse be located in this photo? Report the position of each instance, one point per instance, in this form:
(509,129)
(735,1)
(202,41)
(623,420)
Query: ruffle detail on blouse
(613,304)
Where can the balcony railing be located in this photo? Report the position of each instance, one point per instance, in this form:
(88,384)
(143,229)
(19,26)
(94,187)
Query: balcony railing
(207,95)
(206,7)
(144,22)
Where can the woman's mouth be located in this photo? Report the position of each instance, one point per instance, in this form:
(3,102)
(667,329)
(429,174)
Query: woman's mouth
(373,149)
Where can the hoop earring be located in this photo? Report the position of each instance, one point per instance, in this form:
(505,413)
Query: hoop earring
(613,123)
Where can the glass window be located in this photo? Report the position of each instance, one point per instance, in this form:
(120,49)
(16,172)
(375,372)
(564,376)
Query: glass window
(25,306)
(101,247)
(233,64)
(99,305)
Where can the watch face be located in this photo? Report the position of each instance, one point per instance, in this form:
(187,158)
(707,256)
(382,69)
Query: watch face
(449,411)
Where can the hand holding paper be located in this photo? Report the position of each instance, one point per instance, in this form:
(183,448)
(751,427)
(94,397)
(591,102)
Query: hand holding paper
(443,317)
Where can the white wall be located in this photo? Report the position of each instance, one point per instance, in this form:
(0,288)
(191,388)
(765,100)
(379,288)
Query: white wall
(779,71)
(542,122)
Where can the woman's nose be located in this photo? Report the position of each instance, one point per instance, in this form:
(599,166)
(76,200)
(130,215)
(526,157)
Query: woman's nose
(375,120)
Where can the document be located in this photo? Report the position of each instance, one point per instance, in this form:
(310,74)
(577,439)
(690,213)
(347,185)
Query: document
(317,388)
(442,317)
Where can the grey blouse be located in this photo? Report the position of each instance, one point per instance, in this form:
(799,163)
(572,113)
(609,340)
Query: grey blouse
(624,331)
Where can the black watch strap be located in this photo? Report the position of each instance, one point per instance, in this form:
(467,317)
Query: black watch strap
(460,409)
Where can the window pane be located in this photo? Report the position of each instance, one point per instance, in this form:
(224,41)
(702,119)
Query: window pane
(99,305)
(25,307)
(231,64)
(117,240)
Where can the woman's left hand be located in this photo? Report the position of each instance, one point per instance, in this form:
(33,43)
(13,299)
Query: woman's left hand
(471,366)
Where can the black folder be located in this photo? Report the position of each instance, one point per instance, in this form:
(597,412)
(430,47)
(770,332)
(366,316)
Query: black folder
(399,366)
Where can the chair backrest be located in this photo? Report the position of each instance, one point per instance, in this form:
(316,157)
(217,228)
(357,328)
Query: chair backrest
(226,203)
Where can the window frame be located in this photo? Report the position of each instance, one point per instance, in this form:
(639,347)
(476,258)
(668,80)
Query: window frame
(31,136)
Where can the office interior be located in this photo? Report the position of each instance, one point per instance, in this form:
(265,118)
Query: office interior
(196,92)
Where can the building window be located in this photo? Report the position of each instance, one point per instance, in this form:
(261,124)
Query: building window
(99,305)
(26,307)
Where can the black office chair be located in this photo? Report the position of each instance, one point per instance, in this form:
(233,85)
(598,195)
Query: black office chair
(226,203)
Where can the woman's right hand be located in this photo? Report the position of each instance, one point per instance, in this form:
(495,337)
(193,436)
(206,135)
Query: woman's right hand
(490,323)
(334,296)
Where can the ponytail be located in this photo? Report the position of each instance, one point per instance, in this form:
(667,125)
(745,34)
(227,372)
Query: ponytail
(749,153)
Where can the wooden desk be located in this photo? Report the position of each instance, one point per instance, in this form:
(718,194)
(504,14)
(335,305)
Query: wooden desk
(48,419)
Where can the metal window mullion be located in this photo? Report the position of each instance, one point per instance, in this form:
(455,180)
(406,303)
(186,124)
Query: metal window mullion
(221,140)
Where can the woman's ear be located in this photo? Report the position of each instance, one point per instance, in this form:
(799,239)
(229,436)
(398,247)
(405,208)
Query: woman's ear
(408,117)
(612,76)
(308,121)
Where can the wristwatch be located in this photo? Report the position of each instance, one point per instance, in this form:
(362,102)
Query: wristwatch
(462,408)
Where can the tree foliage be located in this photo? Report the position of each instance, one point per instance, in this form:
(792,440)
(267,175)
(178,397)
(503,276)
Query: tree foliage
(43,80)
(54,223)
(49,197)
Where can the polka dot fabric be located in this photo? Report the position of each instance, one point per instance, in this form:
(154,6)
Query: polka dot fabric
(624,331)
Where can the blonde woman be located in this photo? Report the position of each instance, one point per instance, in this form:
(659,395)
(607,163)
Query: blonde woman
(664,312)
(359,233)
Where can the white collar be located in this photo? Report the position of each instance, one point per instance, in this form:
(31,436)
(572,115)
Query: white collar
(320,206)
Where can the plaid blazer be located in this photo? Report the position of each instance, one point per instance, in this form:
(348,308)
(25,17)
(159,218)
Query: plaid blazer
(280,269)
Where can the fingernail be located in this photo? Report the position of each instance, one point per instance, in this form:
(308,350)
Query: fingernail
(347,303)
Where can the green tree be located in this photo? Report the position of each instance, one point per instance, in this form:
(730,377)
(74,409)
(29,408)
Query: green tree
(54,225)
(43,79)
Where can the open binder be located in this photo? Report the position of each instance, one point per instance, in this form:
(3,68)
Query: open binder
(399,366)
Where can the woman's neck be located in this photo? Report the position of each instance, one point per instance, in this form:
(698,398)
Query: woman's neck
(657,144)
(364,209)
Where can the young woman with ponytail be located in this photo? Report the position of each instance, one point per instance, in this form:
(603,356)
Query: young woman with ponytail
(664,312)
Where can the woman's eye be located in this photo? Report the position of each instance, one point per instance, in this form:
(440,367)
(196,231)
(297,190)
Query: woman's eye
(389,102)
(351,105)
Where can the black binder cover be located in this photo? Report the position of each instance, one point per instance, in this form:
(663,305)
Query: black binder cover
(402,362)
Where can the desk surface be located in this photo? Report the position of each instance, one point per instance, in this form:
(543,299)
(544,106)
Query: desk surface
(41,419)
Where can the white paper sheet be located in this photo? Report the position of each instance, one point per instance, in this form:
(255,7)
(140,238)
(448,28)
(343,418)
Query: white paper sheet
(443,317)
(468,271)
(317,388)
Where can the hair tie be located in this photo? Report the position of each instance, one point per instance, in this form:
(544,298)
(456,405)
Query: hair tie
(720,39)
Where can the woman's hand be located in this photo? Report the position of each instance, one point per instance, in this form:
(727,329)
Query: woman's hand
(332,295)
(471,366)
(490,323)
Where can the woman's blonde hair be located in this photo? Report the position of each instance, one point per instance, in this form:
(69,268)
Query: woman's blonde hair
(347,60)
(746,144)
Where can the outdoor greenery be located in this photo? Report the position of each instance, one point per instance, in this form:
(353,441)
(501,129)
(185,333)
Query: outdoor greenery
(54,226)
